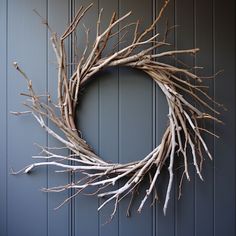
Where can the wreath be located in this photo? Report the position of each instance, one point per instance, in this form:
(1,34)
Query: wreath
(184,131)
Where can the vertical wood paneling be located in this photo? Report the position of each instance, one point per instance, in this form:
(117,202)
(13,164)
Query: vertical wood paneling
(224,42)
(3,119)
(86,215)
(59,221)
(204,193)
(135,122)
(185,210)
(122,115)
(27,209)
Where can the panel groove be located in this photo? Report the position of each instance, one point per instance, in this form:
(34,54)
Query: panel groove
(176,182)
(194,63)
(47,120)
(99,135)
(118,71)
(71,177)
(214,95)
(153,10)
(7,111)
(7,167)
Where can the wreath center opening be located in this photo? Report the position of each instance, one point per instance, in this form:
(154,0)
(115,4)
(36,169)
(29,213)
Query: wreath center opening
(117,114)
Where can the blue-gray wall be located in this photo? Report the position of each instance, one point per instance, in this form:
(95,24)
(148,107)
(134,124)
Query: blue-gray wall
(122,115)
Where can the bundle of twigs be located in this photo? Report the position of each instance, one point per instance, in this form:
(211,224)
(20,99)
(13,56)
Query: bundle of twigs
(182,133)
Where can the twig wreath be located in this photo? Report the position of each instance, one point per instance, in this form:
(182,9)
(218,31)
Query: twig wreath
(184,131)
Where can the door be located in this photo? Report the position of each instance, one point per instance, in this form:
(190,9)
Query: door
(122,115)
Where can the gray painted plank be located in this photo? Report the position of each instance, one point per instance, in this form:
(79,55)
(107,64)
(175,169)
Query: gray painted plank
(59,221)
(204,203)
(86,215)
(225,93)
(164,224)
(108,118)
(185,211)
(27,212)
(3,120)
(135,123)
